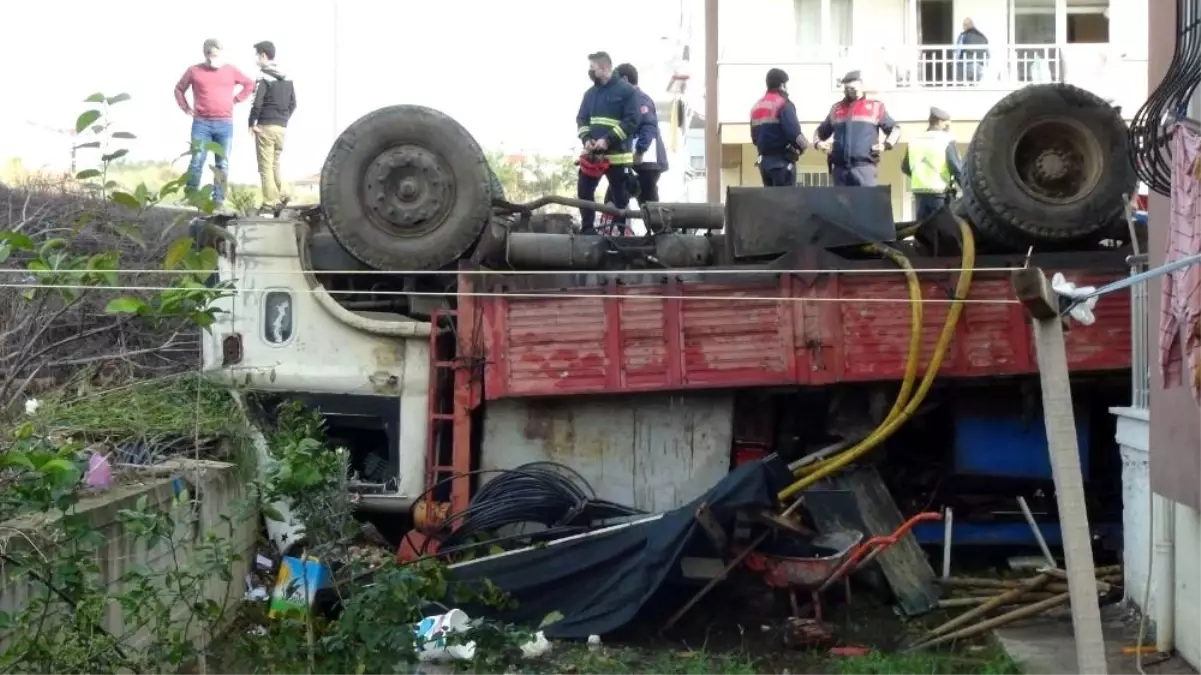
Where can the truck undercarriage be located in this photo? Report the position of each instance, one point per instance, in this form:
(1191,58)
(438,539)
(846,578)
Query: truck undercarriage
(785,321)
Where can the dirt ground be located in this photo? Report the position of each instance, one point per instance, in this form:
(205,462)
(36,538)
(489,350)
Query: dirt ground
(742,628)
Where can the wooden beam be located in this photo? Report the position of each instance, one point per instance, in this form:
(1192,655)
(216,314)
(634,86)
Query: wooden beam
(1035,293)
(712,125)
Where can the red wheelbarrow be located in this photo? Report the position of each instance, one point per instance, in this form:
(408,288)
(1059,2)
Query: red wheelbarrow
(816,574)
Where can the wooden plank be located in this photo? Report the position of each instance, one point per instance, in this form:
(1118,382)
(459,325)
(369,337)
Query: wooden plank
(1035,293)
(904,565)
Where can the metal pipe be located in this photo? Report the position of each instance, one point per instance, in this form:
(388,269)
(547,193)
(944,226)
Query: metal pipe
(712,127)
(1038,534)
(946,543)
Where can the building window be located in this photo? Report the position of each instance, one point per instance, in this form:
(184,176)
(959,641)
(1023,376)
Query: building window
(697,162)
(813,179)
(808,17)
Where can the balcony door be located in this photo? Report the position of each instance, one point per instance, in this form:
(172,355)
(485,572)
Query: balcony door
(1034,29)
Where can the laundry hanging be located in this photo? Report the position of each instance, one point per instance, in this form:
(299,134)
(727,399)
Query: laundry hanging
(1180,314)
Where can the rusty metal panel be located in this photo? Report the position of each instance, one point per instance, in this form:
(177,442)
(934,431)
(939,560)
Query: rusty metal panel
(616,343)
(732,340)
(652,452)
(1094,347)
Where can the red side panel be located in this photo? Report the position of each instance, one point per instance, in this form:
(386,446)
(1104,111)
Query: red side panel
(839,328)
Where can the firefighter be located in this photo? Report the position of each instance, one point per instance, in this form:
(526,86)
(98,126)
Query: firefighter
(850,135)
(606,123)
(776,132)
(932,163)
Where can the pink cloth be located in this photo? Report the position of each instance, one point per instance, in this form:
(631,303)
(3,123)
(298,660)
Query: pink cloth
(1179,332)
(212,91)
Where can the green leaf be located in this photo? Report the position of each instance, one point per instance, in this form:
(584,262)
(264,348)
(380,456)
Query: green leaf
(119,98)
(114,155)
(125,305)
(553,617)
(51,245)
(177,252)
(124,135)
(141,504)
(86,119)
(95,98)
(17,240)
(5,250)
(213,147)
(125,199)
(272,513)
(89,144)
(57,465)
(87,174)
(15,460)
(203,319)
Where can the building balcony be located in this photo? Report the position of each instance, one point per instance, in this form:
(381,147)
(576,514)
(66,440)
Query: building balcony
(966,82)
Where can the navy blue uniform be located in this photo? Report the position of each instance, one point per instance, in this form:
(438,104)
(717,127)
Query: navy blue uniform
(647,139)
(776,133)
(855,127)
(608,111)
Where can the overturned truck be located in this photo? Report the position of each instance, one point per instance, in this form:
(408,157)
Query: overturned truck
(448,334)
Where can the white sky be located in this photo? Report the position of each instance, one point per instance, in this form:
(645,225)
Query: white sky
(511,72)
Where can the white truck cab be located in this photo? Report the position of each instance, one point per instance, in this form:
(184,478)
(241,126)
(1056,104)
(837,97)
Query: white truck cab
(282,333)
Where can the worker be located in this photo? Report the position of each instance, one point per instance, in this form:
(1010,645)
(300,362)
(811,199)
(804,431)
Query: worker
(932,163)
(776,132)
(850,135)
(606,123)
(650,155)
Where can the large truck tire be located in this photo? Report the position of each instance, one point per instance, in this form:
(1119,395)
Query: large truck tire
(1048,163)
(407,188)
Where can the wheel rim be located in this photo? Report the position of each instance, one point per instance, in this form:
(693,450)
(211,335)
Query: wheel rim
(1056,161)
(408,191)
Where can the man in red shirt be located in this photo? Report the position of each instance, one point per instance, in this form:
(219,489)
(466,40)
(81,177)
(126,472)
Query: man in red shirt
(212,111)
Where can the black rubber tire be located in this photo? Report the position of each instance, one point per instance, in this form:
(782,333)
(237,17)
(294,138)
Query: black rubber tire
(994,185)
(344,182)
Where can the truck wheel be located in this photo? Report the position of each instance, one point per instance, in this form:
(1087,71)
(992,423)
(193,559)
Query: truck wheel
(406,188)
(1050,162)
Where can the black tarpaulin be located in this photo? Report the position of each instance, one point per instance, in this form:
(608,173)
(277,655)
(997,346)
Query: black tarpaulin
(599,581)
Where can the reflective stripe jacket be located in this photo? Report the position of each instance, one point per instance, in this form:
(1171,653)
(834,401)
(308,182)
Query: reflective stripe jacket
(856,127)
(610,111)
(649,139)
(932,162)
(775,129)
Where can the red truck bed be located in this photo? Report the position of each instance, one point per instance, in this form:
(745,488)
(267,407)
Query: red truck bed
(615,342)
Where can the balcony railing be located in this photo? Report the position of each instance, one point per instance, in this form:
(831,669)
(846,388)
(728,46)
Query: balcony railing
(1003,67)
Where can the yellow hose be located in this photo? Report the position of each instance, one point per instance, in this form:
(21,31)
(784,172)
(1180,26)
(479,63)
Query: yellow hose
(913,358)
(891,424)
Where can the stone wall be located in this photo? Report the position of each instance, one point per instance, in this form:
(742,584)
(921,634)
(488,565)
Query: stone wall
(219,505)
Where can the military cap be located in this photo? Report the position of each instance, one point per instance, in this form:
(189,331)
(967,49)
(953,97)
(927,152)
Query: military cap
(851,76)
(940,114)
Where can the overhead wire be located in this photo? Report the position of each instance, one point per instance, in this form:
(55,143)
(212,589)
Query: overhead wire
(1151,128)
(544,295)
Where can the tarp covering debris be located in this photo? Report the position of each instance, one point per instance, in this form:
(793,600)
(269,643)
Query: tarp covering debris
(599,581)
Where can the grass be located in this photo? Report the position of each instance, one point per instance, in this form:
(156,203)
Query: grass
(990,661)
(181,405)
(575,658)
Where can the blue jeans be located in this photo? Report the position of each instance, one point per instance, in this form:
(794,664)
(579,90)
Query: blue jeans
(205,131)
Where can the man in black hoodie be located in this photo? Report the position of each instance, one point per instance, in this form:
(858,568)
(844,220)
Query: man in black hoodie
(274,103)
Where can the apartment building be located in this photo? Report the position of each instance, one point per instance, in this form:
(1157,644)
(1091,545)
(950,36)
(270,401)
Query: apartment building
(907,52)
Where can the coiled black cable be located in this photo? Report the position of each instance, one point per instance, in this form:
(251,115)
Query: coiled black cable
(547,493)
(1150,131)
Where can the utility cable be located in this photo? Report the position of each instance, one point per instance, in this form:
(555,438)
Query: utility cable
(1151,128)
(545,295)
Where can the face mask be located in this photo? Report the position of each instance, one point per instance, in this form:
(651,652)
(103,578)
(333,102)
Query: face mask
(851,93)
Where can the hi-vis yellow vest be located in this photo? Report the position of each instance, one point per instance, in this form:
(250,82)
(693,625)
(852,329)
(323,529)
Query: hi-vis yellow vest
(928,168)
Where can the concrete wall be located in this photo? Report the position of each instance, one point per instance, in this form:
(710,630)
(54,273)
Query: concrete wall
(650,452)
(1175,435)
(215,486)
